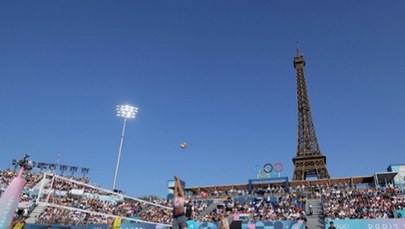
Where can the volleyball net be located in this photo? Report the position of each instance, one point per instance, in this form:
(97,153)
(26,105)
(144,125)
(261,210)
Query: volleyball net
(69,201)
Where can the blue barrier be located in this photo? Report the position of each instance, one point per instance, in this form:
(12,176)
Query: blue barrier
(52,226)
(285,224)
(249,225)
(399,213)
(141,226)
(97,226)
(367,223)
(207,225)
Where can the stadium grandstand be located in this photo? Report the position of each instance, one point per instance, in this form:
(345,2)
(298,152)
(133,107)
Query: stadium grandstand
(55,199)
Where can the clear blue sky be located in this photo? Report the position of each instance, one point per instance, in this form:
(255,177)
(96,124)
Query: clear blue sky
(215,74)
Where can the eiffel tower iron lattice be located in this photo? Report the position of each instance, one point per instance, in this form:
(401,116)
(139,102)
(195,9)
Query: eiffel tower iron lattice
(309,161)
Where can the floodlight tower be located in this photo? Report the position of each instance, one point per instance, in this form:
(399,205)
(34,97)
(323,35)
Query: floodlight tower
(126,112)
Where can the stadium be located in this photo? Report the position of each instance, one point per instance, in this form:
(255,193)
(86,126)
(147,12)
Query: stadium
(70,201)
(56,196)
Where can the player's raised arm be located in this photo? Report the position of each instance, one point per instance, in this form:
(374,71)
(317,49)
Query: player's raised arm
(178,189)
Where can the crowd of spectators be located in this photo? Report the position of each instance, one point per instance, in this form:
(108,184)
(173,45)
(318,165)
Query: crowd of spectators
(26,198)
(237,192)
(6,176)
(126,210)
(347,203)
(286,206)
(81,203)
(52,215)
(88,199)
(200,205)
(80,196)
(264,204)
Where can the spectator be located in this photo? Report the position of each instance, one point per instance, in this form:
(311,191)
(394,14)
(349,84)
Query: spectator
(331,225)
(190,213)
(223,222)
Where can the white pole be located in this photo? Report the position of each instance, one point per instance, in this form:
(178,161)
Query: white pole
(50,188)
(41,187)
(119,154)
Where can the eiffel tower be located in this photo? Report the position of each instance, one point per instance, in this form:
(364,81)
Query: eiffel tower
(309,161)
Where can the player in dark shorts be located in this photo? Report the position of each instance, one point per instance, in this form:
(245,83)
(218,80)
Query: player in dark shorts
(189,210)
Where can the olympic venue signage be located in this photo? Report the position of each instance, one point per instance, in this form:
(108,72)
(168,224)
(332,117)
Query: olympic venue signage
(367,223)
(268,170)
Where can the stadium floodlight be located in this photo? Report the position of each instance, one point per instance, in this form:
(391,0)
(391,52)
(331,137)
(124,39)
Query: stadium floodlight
(126,112)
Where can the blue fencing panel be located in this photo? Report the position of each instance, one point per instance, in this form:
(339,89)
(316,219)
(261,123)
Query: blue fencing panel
(285,224)
(191,224)
(207,225)
(96,226)
(367,223)
(52,226)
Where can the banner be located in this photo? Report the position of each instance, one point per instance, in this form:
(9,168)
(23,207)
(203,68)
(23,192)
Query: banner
(285,224)
(9,200)
(241,216)
(25,204)
(367,223)
(77,192)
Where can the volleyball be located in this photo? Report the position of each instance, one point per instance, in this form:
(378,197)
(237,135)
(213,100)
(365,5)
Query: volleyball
(183,145)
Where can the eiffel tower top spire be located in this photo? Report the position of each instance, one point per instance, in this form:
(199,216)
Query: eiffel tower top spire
(309,160)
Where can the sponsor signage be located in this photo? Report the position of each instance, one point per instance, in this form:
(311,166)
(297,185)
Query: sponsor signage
(367,223)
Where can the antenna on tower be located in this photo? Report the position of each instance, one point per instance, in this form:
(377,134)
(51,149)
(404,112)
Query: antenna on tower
(297,48)
(58,161)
